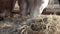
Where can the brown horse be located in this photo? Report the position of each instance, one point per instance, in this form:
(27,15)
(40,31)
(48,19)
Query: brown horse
(6,7)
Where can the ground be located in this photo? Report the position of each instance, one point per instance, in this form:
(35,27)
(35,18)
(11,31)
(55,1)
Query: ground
(45,24)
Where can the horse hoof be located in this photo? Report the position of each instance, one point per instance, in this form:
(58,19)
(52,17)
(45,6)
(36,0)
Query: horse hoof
(1,19)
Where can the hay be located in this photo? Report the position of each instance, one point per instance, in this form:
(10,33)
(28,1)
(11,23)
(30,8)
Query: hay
(45,24)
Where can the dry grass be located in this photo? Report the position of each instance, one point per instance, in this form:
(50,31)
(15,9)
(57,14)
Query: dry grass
(45,24)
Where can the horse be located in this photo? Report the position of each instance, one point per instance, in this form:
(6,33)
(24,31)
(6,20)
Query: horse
(23,7)
(6,7)
(36,7)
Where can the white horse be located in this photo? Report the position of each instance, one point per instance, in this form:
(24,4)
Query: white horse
(39,6)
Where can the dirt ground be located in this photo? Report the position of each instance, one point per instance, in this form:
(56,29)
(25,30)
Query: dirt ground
(45,24)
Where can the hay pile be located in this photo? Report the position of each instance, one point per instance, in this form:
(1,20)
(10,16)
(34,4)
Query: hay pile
(45,24)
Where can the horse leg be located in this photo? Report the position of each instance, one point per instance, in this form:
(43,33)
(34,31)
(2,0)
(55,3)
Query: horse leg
(12,7)
(39,6)
(43,6)
(23,9)
(30,7)
(5,8)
